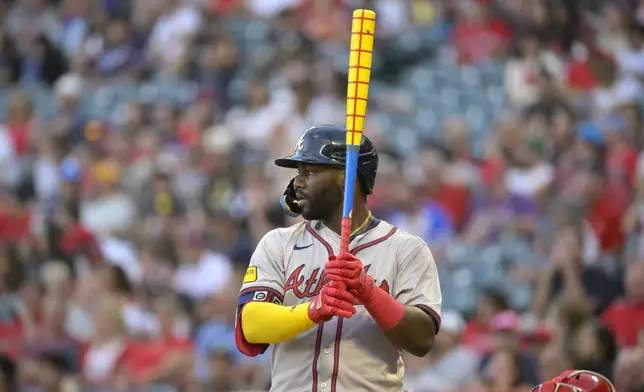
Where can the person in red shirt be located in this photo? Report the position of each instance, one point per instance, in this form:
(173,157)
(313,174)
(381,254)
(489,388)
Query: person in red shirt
(625,317)
(478,331)
(621,159)
(583,68)
(604,211)
(19,122)
(16,215)
(11,324)
(478,37)
(151,360)
(77,240)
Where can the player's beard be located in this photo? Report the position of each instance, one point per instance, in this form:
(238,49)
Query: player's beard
(323,205)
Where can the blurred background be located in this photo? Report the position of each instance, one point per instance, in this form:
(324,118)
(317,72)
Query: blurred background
(136,147)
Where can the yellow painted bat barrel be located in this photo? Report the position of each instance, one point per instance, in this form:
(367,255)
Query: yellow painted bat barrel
(362,36)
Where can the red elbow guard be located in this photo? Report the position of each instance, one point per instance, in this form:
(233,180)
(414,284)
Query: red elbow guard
(246,348)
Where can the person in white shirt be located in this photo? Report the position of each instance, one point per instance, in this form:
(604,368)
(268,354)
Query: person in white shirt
(8,165)
(173,30)
(631,60)
(256,121)
(202,273)
(521,73)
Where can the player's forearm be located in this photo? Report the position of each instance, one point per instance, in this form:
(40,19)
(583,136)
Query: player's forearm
(408,327)
(268,323)
(415,332)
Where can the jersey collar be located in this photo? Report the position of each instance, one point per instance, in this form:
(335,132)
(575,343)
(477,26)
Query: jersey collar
(316,225)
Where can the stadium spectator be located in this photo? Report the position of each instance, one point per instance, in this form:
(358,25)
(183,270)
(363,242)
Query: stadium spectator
(103,363)
(625,317)
(506,373)
(587,286)
(451,365)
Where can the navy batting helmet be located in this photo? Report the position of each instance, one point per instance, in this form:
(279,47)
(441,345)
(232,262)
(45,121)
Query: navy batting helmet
(326,145)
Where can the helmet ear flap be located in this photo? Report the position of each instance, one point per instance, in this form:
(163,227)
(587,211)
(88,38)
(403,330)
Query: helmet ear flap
(287,201)
(363,188)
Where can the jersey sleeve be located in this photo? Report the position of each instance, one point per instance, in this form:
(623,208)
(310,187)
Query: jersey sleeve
(417,283)
(263,282)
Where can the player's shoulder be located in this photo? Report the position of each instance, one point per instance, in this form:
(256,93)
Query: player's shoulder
(407,246)
(284,234)
(401,237)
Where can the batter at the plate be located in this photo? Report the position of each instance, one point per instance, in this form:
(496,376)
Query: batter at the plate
(326,337)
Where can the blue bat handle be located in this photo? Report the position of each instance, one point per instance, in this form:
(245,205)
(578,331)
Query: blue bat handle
(350,179)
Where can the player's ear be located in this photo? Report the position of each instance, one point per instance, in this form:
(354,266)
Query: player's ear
(340,179)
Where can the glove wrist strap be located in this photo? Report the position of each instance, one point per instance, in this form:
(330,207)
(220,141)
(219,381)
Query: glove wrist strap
(385,310)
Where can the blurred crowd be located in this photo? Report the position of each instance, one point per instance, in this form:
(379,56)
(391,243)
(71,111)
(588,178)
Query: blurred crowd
(136,148)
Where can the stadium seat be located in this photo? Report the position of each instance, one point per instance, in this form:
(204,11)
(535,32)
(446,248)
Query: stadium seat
(429,123)
(465,292)
(100,102)
(519,294)
(470,77)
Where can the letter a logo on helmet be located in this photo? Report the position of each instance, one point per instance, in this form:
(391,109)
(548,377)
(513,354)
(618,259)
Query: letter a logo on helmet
(300,144)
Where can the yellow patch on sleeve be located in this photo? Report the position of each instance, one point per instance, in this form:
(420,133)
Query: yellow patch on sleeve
(251,275)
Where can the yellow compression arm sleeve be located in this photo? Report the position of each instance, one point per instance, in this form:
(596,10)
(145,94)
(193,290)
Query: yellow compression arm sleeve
(267,323)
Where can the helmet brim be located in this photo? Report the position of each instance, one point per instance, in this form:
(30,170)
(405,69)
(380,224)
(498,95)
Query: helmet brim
(292,161)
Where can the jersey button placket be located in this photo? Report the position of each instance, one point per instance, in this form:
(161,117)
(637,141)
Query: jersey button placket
(327,350)
(323,384)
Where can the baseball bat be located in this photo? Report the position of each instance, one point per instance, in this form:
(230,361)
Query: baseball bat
(363,25)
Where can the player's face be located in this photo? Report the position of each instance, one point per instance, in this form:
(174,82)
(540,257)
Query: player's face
(319,191)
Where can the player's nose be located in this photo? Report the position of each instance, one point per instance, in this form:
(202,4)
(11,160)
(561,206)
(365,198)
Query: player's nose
(299,182)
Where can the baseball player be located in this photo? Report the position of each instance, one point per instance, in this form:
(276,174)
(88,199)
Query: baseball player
(577,381)
(338,322)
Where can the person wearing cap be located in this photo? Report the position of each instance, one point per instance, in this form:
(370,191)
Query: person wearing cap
(70,122)
(162,200)
(478,331)
(450,365)
(507,331)
(109,210)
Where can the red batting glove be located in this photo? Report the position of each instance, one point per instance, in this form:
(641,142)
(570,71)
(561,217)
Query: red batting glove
(329,302)
(385,310)
(348,269)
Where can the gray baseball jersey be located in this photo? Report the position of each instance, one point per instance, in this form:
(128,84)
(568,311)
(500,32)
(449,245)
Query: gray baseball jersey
(341,354)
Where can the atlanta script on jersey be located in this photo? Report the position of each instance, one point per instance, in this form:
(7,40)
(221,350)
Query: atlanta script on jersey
(342,354)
